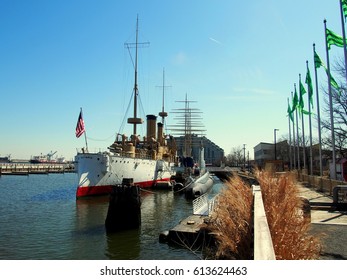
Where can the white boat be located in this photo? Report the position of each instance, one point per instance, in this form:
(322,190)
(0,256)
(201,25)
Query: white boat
(146,162)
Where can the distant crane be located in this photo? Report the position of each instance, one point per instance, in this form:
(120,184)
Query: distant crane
(50,155)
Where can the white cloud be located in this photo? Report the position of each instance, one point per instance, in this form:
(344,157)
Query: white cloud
(216,41)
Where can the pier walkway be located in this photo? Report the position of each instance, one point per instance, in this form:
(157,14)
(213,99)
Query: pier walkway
(35,168)
(327,222)
(321,213)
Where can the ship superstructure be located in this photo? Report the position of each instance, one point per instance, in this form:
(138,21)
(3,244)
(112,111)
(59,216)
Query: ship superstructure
(146,160)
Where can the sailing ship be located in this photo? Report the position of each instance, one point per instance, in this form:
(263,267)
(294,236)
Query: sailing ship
(147,161)
(192,177)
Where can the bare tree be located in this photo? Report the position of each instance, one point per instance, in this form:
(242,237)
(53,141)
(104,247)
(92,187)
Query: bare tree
(235,158)
(339,100)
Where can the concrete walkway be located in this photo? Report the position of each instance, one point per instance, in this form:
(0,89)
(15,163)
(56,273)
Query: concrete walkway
(330,225)
(321,215)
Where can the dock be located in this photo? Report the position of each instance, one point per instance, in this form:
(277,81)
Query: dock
(25,169)
(189,232)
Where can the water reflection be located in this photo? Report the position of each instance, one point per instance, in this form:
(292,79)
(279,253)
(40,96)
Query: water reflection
(41,219)
(123,245)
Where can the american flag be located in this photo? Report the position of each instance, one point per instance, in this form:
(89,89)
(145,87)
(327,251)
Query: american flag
(80,126)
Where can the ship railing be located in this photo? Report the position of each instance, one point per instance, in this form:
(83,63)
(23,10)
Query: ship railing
(113,151)
(120,153)
(136,155)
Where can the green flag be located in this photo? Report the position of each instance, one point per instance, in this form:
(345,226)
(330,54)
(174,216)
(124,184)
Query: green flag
(295,101)
(344,7)
(333,39)
(308,81)
(302,91)
(333,82)
(290,113)
(317,61)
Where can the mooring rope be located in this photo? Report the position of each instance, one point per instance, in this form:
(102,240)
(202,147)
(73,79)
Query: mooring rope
(147,191)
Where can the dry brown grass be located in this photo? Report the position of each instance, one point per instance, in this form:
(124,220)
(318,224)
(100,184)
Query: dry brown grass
(289,230)
(231,223)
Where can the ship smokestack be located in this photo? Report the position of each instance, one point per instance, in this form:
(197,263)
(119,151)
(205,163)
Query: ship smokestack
(160,133)
(151,127)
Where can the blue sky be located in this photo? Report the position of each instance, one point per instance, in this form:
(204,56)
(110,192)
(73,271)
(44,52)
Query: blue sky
(238,59)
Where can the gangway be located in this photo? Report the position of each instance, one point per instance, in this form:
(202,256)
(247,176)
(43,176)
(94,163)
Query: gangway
(203,206)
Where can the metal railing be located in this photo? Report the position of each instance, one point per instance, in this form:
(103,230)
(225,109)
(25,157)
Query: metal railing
(203,206)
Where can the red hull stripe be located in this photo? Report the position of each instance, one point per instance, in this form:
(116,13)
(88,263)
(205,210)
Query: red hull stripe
(106,189)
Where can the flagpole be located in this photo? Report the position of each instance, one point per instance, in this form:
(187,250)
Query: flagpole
(290,139)
(297,138)
(294,158)
(309,119)
(85,134)
(318,116)
(302,125)
(344,37)
(297,133)
(333,175)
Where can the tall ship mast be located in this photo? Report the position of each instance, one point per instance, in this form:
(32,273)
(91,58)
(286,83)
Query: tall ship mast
(189,127)
(146,161)
(189,123)
(163,114)
(135,120)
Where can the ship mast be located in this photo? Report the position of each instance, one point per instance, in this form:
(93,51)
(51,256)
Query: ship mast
(136,89)
(163,114)
(135,120)
(189,124)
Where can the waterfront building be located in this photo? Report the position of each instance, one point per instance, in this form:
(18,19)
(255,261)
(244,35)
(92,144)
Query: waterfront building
(265,153)
(213,154)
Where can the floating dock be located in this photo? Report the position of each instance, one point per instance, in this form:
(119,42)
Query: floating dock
(189,232)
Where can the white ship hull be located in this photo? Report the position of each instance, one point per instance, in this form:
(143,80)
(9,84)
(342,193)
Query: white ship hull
(98,172)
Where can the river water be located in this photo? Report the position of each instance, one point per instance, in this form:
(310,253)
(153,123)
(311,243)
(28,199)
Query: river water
(40,218)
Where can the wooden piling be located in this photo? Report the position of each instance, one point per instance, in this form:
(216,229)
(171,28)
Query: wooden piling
(124,210)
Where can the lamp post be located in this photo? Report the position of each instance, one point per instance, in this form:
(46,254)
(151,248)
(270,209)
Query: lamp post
(244,156)
(275,141)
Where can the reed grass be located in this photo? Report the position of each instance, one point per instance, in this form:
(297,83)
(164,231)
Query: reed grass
(288,226)
(231,221)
